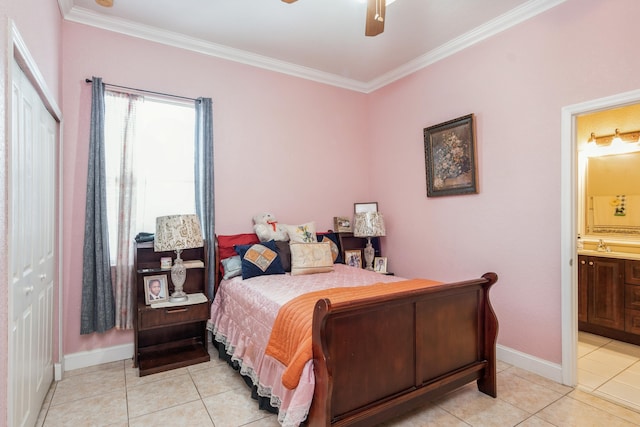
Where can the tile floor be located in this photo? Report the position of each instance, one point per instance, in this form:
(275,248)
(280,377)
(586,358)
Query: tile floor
(610,369)
(212,394)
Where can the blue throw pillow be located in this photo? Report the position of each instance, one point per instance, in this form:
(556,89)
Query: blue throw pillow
(259,259)
(335,247)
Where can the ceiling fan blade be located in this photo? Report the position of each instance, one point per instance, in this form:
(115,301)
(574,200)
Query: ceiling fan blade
(376,10)
(289,1)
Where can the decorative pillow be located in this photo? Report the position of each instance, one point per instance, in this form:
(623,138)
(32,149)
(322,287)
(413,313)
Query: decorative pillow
(304,233)
(284,253)
(309,258)
(335,248)
(226,243)
(231,267)
(259,259)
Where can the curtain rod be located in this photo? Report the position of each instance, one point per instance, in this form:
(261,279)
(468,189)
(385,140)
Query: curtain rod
(145,91)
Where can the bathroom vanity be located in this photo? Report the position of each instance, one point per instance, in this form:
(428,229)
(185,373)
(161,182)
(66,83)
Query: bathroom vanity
(609,295)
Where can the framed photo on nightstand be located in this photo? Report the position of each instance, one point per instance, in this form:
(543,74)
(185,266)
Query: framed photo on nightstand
(380,264)
(155,288)
(353,258)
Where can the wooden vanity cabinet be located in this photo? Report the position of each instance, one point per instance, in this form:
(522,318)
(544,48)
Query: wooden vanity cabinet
(609,297)
(632,296)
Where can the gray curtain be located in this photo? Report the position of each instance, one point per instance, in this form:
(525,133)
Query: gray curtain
(98,306)
(204,180)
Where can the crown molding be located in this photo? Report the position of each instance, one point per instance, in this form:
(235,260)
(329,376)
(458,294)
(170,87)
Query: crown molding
(501,23)
(514,17)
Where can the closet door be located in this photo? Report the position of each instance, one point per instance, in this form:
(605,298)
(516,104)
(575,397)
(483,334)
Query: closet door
(32,257)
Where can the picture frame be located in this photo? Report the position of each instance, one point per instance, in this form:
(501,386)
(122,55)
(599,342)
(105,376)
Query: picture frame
(380,264)
(353,257)
(450,157)
(342,224)
(149,282)
(365,207)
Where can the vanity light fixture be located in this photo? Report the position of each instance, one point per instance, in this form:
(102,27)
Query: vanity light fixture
(616,138)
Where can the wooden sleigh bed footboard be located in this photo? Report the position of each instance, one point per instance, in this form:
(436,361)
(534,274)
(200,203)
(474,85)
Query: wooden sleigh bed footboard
(375,359)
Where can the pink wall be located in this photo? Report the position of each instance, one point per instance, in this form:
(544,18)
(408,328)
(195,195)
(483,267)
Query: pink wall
(516,84)
(39,25)
(282,144)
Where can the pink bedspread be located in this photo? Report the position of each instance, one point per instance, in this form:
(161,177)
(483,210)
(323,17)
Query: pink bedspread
(243,313)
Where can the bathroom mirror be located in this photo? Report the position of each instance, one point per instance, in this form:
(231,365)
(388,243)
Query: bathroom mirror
(606,171)
(611,189)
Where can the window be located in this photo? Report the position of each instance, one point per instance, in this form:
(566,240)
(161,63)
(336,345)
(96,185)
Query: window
(162,161)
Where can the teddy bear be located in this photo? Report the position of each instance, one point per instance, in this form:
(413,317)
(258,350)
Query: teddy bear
(267,228)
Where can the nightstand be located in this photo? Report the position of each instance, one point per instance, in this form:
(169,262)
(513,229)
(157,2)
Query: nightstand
(170,335)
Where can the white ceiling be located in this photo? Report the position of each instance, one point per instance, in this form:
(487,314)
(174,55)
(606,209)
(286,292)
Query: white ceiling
(322,40)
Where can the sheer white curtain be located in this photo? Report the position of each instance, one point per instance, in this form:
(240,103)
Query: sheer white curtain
(120,134)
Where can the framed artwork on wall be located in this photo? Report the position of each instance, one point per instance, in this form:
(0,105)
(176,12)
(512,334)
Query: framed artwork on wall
(365,207)
(450,158)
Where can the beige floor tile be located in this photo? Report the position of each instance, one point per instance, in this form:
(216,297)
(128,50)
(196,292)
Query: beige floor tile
(161,394)
(630,377)
(501,366)
(571,412)
(608,406)
(624,392)
(218,379)
(102,410)
(624,348)
(478,409)
(601,368)
(590,381)
(186,415)
(611,355)
(267,421)
(534,421)
(429,415)
(523,393)
(596,340)
(233,408)
(102,367)
(90,383)
(134,379)
(540,380)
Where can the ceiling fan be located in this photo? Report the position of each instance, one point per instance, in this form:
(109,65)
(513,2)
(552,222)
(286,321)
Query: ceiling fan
(376,10)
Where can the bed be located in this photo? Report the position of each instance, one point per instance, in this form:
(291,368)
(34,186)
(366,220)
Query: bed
(370,358)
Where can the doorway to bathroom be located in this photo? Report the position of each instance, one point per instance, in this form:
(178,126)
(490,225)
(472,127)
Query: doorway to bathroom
(596,364)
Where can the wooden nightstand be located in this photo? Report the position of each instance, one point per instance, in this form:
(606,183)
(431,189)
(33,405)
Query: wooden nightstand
(170,336)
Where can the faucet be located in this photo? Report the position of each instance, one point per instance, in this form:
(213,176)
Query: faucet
(602,246)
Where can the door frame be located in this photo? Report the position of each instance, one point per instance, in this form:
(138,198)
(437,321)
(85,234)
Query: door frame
(568,223)
(18,51)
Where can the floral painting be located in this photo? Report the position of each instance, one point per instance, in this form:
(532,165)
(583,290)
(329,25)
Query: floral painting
(450,158)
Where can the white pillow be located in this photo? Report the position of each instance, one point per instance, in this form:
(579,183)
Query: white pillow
(303,233)
(310,258)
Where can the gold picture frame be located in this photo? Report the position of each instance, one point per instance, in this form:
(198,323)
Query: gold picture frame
(342,224)
(353,258)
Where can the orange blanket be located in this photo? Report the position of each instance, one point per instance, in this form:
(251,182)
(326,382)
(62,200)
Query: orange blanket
(290,340)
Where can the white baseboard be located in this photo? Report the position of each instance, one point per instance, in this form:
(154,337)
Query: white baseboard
(85,359)
(552,371)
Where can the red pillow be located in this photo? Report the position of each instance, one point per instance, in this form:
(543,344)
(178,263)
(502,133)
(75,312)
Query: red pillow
(226,243)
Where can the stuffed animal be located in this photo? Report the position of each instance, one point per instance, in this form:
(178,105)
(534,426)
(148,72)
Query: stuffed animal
(267,228)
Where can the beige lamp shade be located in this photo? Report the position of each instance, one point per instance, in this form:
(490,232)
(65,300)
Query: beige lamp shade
(177,232)
(368,224)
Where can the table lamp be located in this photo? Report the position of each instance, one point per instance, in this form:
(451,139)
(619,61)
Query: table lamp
(176,233)
(368,224)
